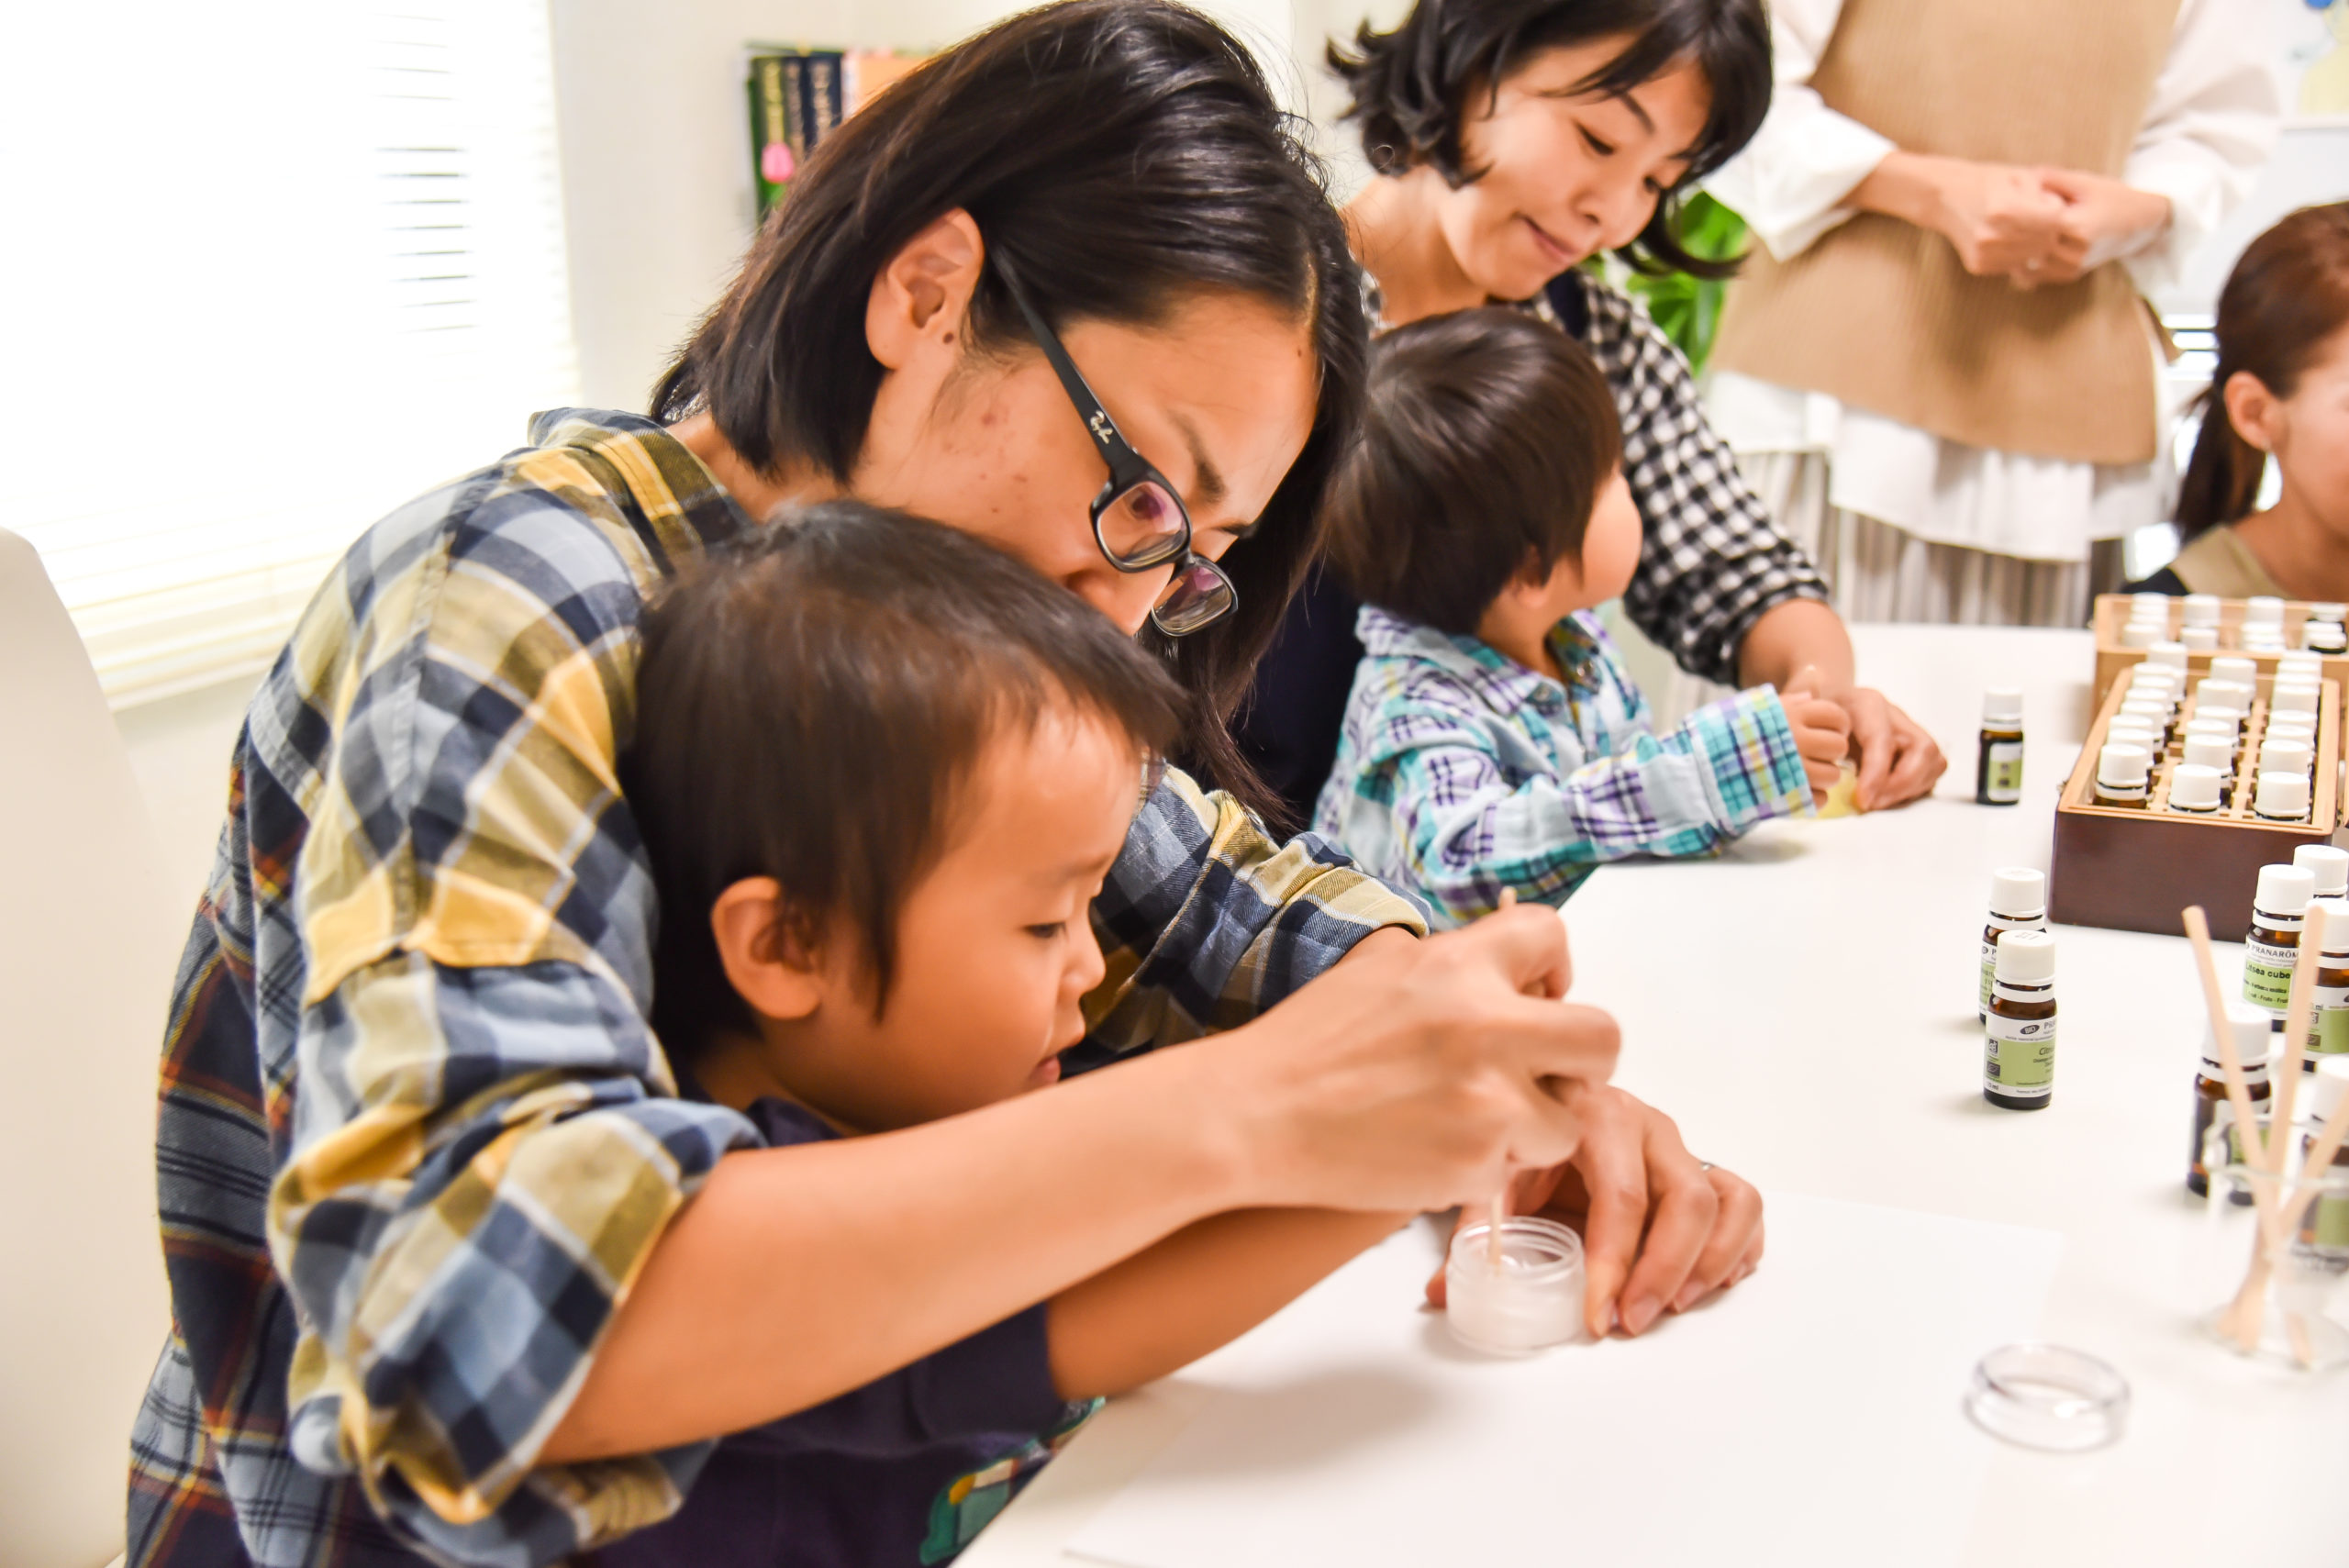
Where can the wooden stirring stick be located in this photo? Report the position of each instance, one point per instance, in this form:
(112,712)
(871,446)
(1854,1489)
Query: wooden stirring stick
(1500,1198)
(2198,931)
(2235,1324)
(2250,1304)
(2314,1172)
(2296,1035)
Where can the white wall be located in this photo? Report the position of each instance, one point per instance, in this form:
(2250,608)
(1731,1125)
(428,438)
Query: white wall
(2310,166)
(655,149)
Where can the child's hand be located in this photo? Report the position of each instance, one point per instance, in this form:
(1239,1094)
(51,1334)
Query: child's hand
(1822,732)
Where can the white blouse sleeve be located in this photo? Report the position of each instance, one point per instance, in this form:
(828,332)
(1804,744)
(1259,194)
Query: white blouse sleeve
(1790,181)
(2216,109)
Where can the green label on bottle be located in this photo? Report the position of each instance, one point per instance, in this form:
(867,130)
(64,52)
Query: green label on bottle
(2329,1227)
(1989,969)
(2329,1031)
(2002,772)
(2019,1056)
(2268,974)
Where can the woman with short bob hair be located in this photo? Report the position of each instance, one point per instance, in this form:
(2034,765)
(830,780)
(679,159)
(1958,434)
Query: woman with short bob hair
(456,1271)
(1513,140)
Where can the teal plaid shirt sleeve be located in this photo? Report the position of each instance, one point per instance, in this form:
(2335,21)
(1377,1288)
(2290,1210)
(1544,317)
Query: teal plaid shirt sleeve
(1450,797)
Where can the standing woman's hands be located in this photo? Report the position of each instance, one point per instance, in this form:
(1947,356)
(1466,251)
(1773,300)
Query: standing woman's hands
(1999,217)
(2102,220)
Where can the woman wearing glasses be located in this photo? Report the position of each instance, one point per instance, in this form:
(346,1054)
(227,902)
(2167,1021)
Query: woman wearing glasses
(1512,142)
(454,1268)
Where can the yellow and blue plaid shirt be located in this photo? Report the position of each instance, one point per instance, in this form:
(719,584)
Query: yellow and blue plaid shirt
(1460,771)
(415,1137)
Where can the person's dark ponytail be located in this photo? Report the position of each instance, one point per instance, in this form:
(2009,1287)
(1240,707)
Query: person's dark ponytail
(2287,296)
(2223,477)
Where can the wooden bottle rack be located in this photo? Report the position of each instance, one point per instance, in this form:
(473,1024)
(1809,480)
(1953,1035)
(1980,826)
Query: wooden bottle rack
(2113,658)
(2133,870)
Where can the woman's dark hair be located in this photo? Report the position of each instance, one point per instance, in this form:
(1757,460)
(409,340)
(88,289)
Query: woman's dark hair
(1124,155)
(1415,86)
(2287,297)
(1487,437)
(811,703)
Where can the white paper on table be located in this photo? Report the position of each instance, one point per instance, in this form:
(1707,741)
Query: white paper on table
(1811,1416)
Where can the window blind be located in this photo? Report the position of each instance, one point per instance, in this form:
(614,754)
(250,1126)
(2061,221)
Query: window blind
(276,266)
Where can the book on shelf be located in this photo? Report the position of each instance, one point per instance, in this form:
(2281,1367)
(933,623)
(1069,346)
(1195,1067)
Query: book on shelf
(798,96)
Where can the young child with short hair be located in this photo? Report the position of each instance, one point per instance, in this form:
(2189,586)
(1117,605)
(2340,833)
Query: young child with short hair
(881,769)
(2281,389)
(1493,739)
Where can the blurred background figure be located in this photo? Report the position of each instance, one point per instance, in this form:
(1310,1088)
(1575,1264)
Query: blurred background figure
(1938,367)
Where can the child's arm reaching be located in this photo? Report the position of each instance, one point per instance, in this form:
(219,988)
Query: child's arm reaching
(1196,1291)
(1464,827)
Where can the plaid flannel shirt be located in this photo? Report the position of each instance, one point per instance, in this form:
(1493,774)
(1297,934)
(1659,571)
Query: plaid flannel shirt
(1461,772)
(415,1137)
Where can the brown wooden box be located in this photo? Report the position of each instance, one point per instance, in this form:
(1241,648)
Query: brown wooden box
(2134,869)
(2112,657)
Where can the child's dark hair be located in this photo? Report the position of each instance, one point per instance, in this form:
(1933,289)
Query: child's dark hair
(1415,86)
(810,703)
(1487,438)
(2288,295)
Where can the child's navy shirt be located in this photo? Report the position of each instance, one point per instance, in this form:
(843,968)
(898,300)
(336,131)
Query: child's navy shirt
(900,1473)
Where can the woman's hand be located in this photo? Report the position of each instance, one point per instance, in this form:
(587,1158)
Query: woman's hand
(2101,221)
(1413,1078)
(1899,761)
(1660,1230)
(1999,217)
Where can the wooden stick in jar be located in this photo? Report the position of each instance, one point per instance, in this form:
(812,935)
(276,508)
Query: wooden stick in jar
(2296,1035)
(2198,931)
(1500,1198)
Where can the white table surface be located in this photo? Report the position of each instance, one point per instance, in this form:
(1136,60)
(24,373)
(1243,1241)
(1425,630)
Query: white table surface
(1828,1045)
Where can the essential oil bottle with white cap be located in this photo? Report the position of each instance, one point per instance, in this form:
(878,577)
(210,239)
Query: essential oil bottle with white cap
(1997,761)
(2018,903)
(2324,1233)
(2278,911)
(2213,1114)
(2018,1033)
(2327,935)
(2123,775)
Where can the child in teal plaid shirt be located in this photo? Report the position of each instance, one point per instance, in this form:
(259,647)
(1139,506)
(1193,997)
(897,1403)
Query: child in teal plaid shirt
(1493,739)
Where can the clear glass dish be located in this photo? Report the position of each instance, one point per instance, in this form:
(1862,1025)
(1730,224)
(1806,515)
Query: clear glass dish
(2048,1396)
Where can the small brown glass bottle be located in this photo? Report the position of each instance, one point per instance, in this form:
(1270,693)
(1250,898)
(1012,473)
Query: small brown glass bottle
(2212,1110)
(2018,903)
(1998,761)
(2326,931)
(2019,1035)
(2278,910)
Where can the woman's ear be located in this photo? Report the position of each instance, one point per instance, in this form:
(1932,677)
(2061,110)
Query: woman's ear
(922,295)
(770,967)
(2253,410)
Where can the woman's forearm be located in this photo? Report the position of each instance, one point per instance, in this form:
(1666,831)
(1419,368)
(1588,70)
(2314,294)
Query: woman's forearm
(1903,185)
(1790,635)
(1197,1291)
(797,1275)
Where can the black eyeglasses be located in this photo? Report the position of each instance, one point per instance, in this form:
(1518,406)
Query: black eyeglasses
(1139,521)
